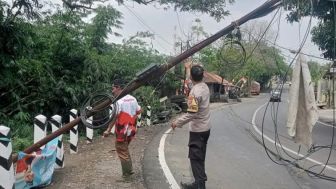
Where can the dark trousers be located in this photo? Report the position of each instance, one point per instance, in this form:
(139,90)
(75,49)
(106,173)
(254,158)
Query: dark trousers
(197,151)
(122,150)
(125,157)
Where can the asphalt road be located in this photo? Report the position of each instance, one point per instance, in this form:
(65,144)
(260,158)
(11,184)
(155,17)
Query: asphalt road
(236,158)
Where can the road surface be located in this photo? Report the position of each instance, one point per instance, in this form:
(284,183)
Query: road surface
(236,158)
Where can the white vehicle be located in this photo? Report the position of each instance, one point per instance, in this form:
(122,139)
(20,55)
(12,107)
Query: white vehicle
(275,95)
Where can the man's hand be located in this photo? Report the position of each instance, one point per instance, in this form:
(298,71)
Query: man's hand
(106,133)
(173,125)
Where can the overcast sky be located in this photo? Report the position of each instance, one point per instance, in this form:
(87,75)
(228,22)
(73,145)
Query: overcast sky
(163,23)
(167,23)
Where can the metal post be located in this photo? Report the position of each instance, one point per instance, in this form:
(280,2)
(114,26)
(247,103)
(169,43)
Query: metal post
(89,131)
(40,128)
(7,179)
(56,123)
(73,133)
(148,117)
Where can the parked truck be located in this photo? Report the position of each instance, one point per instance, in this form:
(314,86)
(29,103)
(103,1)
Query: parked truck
(255,88)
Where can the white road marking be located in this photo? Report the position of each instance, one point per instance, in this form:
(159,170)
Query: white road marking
(285,148)
(169,176)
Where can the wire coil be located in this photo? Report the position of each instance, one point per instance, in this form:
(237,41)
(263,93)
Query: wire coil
(96,118)
(232,46)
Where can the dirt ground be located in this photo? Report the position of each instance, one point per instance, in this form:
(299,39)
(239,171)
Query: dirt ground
(97,166)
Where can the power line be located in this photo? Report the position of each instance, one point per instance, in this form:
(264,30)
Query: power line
(295,163)
(267,150)
(285,48)
(263,35)
(291,50)
(178,20)
(147,26)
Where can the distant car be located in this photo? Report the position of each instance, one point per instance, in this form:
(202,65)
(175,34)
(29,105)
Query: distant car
(275,96)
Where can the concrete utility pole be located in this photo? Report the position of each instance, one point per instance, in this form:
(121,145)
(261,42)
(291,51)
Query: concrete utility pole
(261,11)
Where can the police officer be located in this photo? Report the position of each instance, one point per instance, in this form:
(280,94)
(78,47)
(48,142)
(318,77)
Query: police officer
(199,117)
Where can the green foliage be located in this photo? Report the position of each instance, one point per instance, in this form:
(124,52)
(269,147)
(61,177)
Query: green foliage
(21,130)
(324,10)
(261,65)
(102,24)
(53,57)
(215,8)
(240,55)
(51,65)
(21,143)
(148,96)
(317,70)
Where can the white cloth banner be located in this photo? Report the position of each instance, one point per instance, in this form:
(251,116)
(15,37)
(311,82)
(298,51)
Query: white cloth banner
(302,114)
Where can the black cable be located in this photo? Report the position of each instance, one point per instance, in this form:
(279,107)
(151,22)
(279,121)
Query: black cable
(288,68)
(274,121)
(146,25)
(285,48)
(276,38)
(179,23)
(234,114)
(262,36)
(294,163)
(89,106)
(308,171)
(231,42)
(333,128)
(333,88)
(267,150)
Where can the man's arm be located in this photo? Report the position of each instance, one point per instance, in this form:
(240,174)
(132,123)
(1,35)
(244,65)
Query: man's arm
(110,126)
(184,119)
(108,130)
(192,112)
(138,110)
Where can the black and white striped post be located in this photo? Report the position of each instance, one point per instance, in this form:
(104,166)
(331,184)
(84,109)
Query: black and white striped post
(7,178)
(110,115)
(73,133)
(89,131)
(139,121)
(56,123)
(148,117)
(40,128)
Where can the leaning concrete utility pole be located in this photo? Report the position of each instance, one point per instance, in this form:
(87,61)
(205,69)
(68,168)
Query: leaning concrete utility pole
(261,11)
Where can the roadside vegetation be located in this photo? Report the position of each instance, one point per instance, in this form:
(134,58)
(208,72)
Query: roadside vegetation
(52,57)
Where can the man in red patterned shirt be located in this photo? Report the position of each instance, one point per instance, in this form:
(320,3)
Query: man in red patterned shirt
(125,126)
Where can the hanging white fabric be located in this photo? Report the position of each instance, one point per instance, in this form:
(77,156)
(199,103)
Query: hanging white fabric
(302,114)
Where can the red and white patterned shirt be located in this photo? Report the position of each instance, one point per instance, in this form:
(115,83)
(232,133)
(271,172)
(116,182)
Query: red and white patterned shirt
(127,111)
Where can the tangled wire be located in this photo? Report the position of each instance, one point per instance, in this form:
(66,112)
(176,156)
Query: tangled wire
(95,117)
(232,51)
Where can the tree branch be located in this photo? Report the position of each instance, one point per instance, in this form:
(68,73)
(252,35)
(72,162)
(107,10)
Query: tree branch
(144,2)
(76,6)
(3,94)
